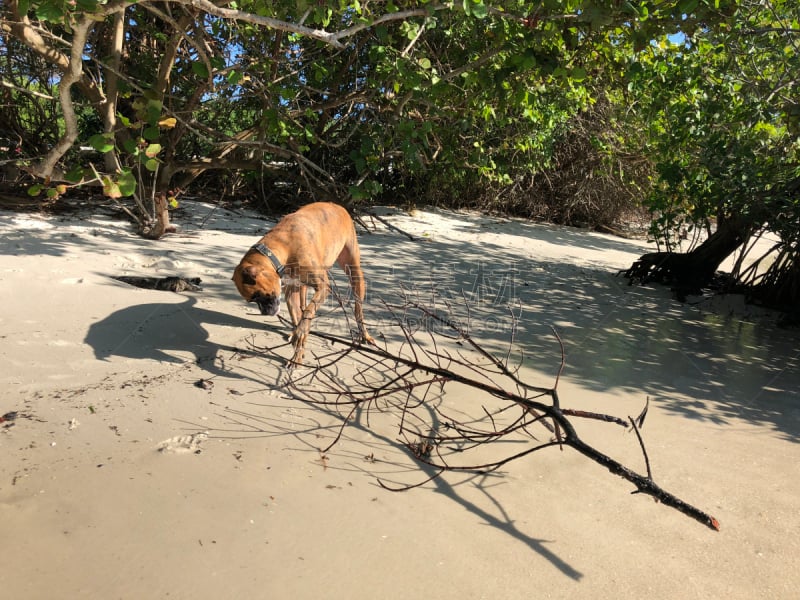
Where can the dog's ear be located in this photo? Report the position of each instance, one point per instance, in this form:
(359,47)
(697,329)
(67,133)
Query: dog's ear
(249,275)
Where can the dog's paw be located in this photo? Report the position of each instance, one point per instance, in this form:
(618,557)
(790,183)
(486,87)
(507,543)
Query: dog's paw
(295,361)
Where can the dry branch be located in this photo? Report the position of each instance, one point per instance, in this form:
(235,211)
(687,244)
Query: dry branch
(399,379)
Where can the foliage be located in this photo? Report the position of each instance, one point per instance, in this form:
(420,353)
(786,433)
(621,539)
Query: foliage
(338,98)
(565,109)
(722,108)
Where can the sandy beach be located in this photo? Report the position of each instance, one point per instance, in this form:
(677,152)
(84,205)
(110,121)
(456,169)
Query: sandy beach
(150,451)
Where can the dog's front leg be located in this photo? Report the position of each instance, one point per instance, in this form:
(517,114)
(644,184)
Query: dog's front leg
(295,302)
(320,285)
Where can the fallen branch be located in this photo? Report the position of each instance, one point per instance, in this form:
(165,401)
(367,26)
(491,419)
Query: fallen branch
(398,380)
(371,214)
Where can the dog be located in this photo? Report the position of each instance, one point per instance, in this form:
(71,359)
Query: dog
(295,255)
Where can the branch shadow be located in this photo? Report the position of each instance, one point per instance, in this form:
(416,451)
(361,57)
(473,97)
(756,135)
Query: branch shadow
(318,424)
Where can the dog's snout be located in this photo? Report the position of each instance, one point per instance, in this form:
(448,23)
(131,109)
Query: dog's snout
(267,304)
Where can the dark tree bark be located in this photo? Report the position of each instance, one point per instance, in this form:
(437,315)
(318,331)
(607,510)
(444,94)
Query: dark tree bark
(779,287)
(689,272)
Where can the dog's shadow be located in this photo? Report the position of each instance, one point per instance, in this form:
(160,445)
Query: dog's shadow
(164,332)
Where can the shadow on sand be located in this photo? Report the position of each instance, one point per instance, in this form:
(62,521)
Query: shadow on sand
(696,364)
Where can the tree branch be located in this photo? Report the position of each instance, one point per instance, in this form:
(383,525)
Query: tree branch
(239,15)
(398,381)
(72,75)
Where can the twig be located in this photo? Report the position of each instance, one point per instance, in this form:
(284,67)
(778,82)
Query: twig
(641,445)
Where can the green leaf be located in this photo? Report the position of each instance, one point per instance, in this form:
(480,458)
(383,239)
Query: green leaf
(629,8)
(151,133)
(356,193)
(131,146)
(87,5)
(578,74)
(153,112)
(598,16)
(74,175)
(49,12)
(139,104)
(127,183)
(35,189)
(200,69)
(102,142)
(475,8)
(480,10)
(151,165)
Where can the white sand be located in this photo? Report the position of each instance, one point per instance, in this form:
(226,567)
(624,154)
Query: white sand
(122,478)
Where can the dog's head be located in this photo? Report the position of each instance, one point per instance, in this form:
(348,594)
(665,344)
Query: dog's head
(260,284)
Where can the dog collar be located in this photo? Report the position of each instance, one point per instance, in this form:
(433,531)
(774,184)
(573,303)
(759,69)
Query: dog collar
(262,249)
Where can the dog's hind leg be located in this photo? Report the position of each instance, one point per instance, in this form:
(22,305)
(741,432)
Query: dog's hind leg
(350,262)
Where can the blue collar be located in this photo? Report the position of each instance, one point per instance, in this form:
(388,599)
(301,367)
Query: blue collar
(262,249)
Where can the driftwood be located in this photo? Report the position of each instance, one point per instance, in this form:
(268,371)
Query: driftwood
(165,284)
(372,215)
(405,379)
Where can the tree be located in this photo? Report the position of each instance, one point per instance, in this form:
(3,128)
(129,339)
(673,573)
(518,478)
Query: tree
(333,99)
(723,111)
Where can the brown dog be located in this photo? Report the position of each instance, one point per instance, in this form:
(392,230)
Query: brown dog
(296,254)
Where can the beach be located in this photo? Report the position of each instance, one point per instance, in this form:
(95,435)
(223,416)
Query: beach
(151,447)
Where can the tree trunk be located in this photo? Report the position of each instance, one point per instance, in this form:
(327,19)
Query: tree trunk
(689,273)
(159,225)
(780,285)
(108,109)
